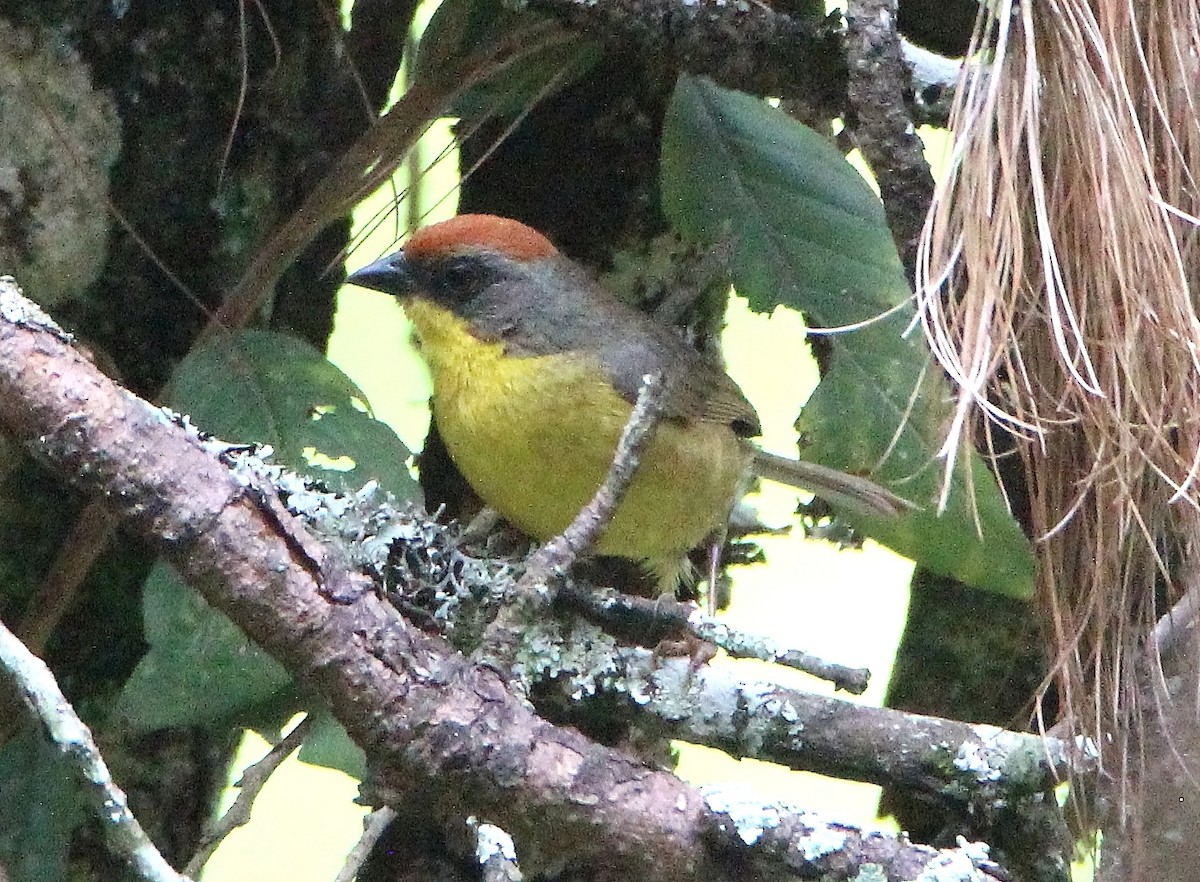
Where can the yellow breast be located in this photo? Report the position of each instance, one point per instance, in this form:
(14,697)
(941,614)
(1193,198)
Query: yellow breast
(535,437)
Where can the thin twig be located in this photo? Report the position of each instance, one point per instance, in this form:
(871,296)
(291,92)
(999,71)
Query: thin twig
(86,540)
(376,823)
(535,589)
(584,532)
(124,835)
(739,644)
(652,620)
(250,785)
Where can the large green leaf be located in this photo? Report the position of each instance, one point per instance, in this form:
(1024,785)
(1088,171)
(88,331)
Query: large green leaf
(273,389)
(200,669)
(808,233)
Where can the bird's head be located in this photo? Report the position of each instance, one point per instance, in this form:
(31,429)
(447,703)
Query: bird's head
(453,262)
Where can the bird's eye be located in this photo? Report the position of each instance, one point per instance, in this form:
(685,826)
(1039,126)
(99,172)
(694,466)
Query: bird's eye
(461,277)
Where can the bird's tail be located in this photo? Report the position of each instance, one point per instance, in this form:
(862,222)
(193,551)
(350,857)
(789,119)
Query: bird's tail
(849,492)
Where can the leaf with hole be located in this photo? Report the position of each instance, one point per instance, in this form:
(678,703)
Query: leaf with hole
(271,388)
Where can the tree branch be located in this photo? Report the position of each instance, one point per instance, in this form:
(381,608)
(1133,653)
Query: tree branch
(882,123)
(375,825)
(423,714)
(584,651)
(124,835)
(746,46)
(253,779)
(959,762)
(749,46)
(652,620)
(419,710)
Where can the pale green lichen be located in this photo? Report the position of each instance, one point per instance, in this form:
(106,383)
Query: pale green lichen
(998,755)
(491,842)
(753,815)
(871,873)
(952,866)
(578,651)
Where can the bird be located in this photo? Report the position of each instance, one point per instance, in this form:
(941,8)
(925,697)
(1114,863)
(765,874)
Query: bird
(535,370)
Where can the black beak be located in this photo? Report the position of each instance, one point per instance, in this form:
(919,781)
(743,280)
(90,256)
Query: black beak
(390,274)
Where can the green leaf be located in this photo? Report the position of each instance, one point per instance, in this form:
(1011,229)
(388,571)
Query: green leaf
(39,808)
(274,389)
(810,234)
(200,669)
(328,745)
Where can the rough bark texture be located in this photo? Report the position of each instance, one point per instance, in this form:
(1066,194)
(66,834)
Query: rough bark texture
(424,716)
(880,93)
(779,49)
(419,710)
